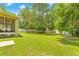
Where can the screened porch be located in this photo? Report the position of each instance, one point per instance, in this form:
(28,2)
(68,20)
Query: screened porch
(8,23)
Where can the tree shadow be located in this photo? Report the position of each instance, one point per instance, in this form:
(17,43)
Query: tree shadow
(68,41)
(9,36)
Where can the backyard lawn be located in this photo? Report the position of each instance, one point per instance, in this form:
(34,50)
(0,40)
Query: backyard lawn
(39,45)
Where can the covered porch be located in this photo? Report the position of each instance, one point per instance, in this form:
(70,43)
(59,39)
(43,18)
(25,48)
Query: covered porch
(8,23)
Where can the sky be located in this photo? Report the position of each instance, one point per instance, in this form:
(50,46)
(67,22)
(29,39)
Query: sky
(15,7)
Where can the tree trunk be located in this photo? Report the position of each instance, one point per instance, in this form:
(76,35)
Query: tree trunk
(47,30)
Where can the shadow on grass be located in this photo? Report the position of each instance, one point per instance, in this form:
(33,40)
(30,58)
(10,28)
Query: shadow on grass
(10,36)
(69,41)
(38,33)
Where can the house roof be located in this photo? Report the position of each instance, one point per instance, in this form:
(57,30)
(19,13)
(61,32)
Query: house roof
(7,14)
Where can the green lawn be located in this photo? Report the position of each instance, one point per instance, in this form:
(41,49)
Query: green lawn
(39,45)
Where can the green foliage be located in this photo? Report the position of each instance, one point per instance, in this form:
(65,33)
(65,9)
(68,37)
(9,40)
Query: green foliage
(39,17)
(27,18)
(49,22)
(66,16)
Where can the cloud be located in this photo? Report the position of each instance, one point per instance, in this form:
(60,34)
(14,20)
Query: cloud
(9,4)
(22,6)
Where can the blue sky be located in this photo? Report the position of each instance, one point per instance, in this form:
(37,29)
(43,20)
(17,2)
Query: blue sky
(15,7)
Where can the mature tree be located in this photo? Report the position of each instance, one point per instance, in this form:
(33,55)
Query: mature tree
(41,9)
(39,17)
(49,22)
(28,18)
(66,16)
(24,15)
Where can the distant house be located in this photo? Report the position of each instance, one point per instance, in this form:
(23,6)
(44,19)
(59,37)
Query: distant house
(8,23)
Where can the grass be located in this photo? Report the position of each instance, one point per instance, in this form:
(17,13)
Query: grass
(40,45)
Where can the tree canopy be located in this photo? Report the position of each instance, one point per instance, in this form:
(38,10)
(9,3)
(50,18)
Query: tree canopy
(61,16)
(38,17)
(66,16)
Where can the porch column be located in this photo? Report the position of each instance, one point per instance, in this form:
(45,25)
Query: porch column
(16,26)
(4,24)
(13,26)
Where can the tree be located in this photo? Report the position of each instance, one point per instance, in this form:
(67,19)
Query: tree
(41,10)
(39,17)
(25,17)
(66,16)
(49,21)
